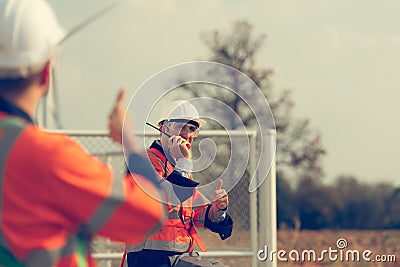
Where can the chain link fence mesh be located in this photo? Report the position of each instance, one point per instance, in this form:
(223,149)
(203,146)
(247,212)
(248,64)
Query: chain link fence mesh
(101,146)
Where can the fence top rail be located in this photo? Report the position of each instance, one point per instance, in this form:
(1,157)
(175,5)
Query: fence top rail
(203,133)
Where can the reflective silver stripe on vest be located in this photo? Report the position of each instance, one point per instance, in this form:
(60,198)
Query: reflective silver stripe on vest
(10,129)
(173,214)
(106,208)
(160,245)
(167,245)
(43,257)
(161,162)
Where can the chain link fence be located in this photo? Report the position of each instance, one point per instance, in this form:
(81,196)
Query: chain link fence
(101,146)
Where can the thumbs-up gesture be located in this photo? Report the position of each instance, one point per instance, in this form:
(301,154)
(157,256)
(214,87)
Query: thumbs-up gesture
(220,196)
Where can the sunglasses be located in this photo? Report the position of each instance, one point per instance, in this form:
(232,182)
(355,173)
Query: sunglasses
(180,126)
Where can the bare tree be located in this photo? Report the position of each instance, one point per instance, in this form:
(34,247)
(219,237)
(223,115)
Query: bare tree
(299,149)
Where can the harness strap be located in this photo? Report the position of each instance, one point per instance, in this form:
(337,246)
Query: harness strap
(157,153)
(121,263)
(163,161)
(15,126)
(80,251)
(191,230)
(196,238)
(161,158)
(178,222)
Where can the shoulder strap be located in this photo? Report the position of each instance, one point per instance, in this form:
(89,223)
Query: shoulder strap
(12,127)
(161,158)
(157,153)
(7,259)
(12,122)
(81,252)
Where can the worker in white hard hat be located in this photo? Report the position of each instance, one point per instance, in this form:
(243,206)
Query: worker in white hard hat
(54,196)
(181,120)
(171,157)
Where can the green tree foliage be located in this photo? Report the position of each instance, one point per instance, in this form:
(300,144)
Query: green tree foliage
(347,204)
(314,204)
(285,208)
(392,216)
(362,206)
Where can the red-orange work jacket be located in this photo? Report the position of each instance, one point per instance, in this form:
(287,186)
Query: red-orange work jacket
(178,233)
(51,189)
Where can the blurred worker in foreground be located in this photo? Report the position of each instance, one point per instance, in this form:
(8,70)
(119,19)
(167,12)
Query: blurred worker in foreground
(54,196)
(171,158)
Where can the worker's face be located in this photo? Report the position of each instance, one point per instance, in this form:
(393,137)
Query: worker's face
(187,131)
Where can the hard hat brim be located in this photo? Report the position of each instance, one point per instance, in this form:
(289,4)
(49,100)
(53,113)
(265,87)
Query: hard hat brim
(197,120)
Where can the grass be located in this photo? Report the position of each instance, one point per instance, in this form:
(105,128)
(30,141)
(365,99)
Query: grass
(379,242)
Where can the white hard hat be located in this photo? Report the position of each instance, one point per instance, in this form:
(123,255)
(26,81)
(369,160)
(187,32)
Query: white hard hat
(181,110)
(29,36)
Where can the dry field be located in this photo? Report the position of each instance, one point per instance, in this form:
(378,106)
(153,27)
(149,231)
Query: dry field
(384,244)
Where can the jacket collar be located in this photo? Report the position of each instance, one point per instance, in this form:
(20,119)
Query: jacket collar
(158,146)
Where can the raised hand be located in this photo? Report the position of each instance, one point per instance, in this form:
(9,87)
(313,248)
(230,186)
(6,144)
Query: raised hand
(220,196)
(179,148)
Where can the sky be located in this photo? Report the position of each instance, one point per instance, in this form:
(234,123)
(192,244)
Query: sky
(339,58)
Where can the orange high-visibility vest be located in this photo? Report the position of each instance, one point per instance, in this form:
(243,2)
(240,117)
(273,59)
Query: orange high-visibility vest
(178,232)
(51,190)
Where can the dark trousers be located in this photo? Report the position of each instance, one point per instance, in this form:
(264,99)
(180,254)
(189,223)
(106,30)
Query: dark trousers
(158,258)
(150,258)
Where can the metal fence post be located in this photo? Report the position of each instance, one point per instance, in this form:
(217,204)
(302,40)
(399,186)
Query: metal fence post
(109,162)
(253,202)
(267,204)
